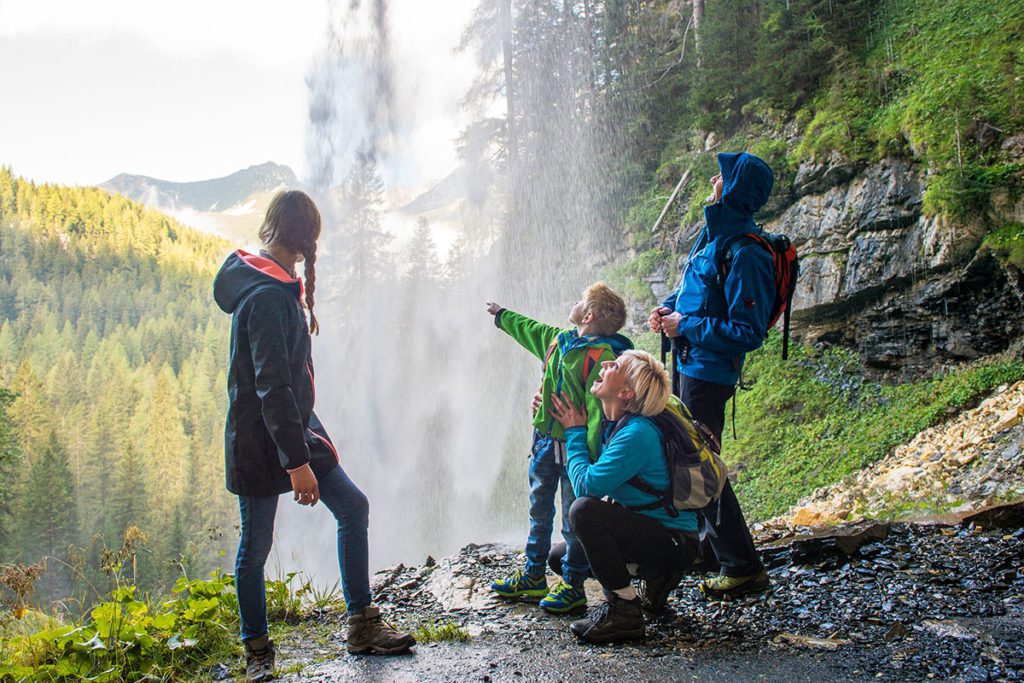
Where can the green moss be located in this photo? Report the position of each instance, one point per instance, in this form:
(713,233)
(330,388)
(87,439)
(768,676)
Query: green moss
(812,420)
(1008,244)
(944,79)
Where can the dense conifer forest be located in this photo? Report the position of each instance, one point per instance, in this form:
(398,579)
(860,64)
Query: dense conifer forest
(113,362)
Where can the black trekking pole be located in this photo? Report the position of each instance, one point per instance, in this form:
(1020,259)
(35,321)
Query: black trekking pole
(668,349)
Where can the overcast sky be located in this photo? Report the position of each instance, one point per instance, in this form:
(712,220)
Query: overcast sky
(195,89)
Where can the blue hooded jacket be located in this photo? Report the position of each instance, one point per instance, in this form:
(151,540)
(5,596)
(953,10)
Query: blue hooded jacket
(721,324)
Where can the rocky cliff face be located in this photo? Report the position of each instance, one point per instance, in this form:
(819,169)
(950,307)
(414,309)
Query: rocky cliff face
(909,291)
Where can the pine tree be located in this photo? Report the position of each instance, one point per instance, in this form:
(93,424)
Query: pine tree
(47,515)
(362,239)
(127,503)
(30,412)
(10,458)
(422,264)
(165,449)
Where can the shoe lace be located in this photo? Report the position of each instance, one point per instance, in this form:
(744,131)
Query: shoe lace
(600,612)
(261,658)
(380,626)
(560,589)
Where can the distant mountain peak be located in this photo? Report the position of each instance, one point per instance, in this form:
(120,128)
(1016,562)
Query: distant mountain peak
(215,194)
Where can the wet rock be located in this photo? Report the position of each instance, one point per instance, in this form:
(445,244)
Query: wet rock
(897,630)
(816,177)
(834,543)
(996,517)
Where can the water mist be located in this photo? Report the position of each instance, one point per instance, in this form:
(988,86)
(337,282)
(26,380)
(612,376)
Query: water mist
(426,400)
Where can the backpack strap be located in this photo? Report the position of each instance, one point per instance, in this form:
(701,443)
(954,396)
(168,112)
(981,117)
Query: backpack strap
(664,496)
(590,361)
(547,356)
(733,245)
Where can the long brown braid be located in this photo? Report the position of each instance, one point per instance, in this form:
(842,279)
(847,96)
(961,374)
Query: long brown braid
(293,221)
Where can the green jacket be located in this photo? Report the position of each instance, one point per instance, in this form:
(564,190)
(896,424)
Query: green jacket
(563,371)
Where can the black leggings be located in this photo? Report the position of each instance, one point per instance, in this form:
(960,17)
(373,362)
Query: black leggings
(613,537)
(723,529)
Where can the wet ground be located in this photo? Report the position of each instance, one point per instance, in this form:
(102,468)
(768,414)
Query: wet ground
(867,602)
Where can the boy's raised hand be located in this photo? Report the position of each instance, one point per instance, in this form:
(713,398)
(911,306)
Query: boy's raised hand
(566,412)
(494,309)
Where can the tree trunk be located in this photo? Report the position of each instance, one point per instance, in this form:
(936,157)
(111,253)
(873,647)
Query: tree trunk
(698,17)
(505,8)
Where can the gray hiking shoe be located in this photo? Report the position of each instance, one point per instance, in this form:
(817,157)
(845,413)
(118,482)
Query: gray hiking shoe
(259,659)
(369,634)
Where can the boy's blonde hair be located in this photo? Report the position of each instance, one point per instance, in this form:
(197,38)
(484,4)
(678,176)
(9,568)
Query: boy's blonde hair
(608,308)
(649,380)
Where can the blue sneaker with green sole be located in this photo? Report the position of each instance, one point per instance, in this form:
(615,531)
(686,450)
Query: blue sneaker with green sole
(563,598)
(521,585)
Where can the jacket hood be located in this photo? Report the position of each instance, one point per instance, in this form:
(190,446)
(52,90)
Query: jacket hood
(571,340)
(242,272)
(747,182)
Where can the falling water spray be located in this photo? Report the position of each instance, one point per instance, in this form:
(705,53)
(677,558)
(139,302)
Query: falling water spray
(427,402)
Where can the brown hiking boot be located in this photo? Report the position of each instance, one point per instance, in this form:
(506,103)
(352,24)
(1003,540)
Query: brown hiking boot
(259,659)
(613,621)
(369,634)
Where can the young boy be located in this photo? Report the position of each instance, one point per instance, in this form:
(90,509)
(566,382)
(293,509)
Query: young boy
(572,360)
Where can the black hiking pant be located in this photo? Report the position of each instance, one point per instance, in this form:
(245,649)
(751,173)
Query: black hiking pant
(723,530)
(613,537)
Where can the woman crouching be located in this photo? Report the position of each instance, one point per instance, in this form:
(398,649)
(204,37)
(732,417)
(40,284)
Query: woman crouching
(631,388)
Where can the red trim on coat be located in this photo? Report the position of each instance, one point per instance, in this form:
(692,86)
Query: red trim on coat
(329,445)
(269,267)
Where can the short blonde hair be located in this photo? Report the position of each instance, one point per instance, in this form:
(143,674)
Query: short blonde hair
(608,308)
(649,380)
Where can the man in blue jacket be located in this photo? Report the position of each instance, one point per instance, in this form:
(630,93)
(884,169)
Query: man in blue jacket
(715,318)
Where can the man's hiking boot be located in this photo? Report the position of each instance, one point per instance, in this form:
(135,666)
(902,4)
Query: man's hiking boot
(369,634)
(519,584)
(563,598)
(720,587)
(612,621)
(259,659)
(654,592)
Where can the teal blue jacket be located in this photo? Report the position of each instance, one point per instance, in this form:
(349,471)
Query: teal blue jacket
(633,450)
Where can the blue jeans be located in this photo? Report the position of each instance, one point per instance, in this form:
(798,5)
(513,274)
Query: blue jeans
(350,509)
(545,475)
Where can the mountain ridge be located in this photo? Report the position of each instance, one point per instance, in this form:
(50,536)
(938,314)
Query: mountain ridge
(214,194)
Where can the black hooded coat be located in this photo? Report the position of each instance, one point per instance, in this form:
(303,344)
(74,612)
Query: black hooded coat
(271,427)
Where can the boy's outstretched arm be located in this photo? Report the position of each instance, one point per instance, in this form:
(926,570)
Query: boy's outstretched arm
(532,335)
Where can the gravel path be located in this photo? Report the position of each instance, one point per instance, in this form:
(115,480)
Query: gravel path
(867,602)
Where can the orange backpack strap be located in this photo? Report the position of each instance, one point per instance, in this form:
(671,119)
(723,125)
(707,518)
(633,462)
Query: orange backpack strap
(547,356)
(590,361)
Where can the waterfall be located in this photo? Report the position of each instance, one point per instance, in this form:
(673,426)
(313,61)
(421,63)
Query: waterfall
(427,402)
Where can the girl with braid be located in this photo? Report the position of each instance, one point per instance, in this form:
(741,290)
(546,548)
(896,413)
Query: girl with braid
(274,442)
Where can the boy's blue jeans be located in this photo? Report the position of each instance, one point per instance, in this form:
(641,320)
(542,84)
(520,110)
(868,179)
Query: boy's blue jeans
(545,475)
(350,509)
